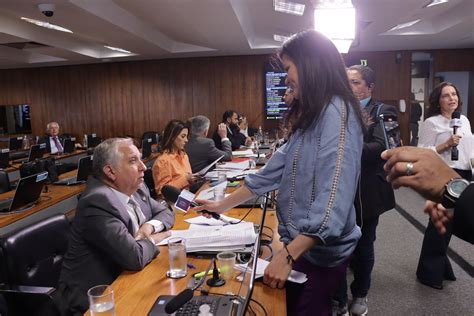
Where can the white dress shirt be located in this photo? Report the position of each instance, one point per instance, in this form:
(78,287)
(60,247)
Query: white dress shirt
(52,143)
(136,215)
(436,130)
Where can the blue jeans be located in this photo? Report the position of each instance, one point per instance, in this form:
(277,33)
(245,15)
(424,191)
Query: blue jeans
(362,263)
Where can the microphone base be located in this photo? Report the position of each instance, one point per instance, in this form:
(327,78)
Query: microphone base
(215,282)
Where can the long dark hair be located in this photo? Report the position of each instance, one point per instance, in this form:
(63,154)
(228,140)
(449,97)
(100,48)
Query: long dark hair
(435,108)
(321,75)
(172,130)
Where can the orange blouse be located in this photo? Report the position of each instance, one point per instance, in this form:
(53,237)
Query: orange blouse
(171,169)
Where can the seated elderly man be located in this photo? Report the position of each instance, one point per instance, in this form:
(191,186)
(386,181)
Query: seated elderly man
(202,150)
(54,142)
(116,225)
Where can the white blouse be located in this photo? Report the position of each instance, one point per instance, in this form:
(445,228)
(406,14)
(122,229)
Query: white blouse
(435,130)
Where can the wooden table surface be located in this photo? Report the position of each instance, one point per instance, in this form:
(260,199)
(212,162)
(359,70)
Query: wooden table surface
(136,292)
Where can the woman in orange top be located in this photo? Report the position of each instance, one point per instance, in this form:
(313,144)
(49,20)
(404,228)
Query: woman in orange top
(172,167)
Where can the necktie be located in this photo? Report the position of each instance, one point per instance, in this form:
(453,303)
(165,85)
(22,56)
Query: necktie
(58,144)
(138,212)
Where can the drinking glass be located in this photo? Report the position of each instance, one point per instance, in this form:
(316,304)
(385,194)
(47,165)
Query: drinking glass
(226,263)
(219,193)
(177,258)
(101,300)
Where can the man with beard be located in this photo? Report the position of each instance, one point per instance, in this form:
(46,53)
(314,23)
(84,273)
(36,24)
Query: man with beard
(237,139)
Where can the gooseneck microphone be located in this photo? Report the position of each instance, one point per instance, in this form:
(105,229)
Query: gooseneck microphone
(186,295)
(172,193)
(455,124)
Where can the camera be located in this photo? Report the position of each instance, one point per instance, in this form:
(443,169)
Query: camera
(47,9)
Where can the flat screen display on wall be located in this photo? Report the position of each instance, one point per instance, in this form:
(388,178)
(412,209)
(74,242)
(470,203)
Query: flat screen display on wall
(275,107)
(15,119)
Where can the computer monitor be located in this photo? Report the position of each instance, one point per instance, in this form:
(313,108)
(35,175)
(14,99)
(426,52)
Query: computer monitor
(146,147)
(37,151)
(15,143)
(69,145)
(4,158)
(28,191)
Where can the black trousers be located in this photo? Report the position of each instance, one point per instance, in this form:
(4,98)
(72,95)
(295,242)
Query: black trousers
(434,265)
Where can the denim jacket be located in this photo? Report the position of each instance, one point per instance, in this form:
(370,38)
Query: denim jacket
(316,173)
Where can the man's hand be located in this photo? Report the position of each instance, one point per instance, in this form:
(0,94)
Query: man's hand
(418,168)
(145,231)
(439,215)
(158,237)
(222,130)
(248,141)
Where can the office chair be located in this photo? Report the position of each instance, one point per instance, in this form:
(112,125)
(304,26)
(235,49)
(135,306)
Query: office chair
(32,258)
(4,182)
(151,134)
(150,183)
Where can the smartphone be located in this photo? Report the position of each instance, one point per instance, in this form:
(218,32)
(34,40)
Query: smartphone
(391,130)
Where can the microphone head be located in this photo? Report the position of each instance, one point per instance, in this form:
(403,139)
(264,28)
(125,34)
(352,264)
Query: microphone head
(456,115)
(178,301)
(170,193)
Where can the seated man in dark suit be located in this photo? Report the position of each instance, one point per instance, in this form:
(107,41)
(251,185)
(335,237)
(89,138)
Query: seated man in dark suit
(52,140)
(116,225)
(237,139)
(202,150)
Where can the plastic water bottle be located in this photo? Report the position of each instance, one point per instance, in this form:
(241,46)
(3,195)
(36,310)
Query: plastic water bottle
(25,142)
(259,135)
(84,141)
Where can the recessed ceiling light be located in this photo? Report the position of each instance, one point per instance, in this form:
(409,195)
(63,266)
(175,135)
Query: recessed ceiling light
(118,49)
(281,38)
(47,25)
(288,7)
(436,2)
(404,25)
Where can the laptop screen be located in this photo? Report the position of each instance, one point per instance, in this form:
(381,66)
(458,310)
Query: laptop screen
(28,190)
(146,147)
(4,158)
(37,151)
(15,143)
(68,145)
(84,168)
(246,287)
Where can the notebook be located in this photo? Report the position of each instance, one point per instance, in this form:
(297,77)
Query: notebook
(220,304)
(84,169)
(27,193)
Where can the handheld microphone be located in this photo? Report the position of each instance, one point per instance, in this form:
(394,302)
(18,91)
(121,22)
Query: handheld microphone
(171,193)
(455,124)
(186,295)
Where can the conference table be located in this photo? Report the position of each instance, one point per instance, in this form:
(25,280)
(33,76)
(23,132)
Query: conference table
(136,292)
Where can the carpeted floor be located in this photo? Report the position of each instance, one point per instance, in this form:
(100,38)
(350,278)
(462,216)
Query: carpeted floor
(395,290)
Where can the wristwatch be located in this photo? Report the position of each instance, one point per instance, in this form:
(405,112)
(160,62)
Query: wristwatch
(453,190)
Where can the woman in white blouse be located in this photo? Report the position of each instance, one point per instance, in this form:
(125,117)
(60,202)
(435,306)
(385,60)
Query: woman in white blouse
(437,133)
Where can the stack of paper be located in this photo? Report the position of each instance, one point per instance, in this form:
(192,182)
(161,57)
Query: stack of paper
(216,238)
(244,153)
(295,276)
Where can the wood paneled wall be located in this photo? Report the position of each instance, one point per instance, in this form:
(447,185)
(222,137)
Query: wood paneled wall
(132,97)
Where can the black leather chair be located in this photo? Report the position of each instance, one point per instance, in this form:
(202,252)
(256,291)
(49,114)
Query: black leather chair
(153,135)
(4,182)
(150,183)
(32,258)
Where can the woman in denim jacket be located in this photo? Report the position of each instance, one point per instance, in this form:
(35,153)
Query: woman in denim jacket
(316,174)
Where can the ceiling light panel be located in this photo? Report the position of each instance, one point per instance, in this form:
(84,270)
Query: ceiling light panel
(117,49)
(288,7)
(404,25)
(46,25)
(436,2)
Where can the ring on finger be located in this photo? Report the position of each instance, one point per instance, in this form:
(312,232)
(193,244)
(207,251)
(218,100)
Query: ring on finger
(409,168)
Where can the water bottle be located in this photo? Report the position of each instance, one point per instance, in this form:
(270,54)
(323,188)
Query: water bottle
(84,141)
(259,135)
(25,142)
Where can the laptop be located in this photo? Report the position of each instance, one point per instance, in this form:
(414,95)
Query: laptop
(15,143)
(37,151)
(69,145)
(84,169)
(93,140)
(204,170)
(4,158)
(27,193)
(220,304)
(146,147)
